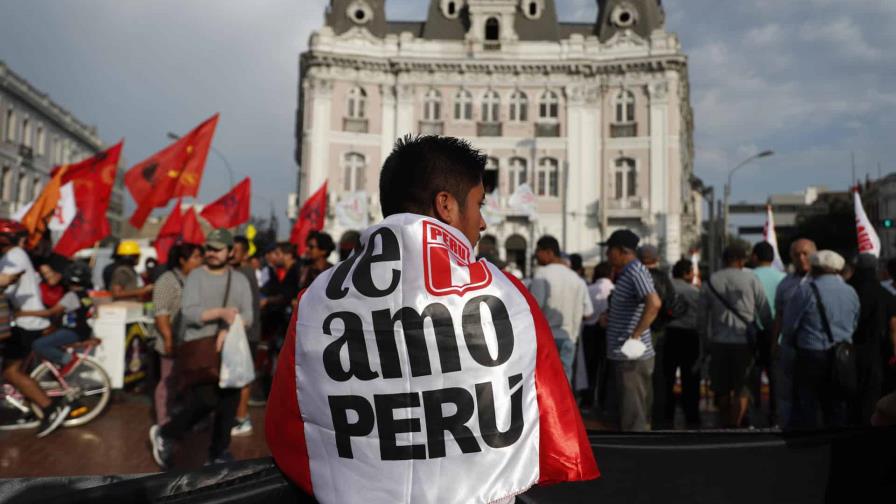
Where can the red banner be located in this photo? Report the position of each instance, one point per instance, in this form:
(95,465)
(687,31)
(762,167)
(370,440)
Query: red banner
(311,218)
(230,210)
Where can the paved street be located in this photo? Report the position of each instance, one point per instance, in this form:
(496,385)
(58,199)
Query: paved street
(115,443)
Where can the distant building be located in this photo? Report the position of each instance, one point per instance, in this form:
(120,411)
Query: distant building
(748,219)
(37,134)
(594,117)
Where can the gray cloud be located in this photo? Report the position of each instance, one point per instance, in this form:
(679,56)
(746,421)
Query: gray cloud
(811,79)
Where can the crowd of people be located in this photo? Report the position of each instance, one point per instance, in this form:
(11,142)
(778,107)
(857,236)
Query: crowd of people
(821,336)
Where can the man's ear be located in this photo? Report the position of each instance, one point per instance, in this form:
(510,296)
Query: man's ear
(445,207)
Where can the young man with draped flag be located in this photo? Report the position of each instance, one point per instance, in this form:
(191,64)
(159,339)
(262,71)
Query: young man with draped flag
(92,180)
(229,210)
(173,172)
(311,218)
(370,403)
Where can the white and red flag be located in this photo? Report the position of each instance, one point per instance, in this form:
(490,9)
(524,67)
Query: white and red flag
(413,373)
(771,236)
(869,242)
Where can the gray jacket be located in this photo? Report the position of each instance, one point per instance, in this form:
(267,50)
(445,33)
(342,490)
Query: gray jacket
(744,292)
(204,290)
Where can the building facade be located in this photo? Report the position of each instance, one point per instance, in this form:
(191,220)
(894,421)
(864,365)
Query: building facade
(37,134)
(593,120)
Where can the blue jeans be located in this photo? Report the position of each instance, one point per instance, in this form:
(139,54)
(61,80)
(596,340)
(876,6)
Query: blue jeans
(567,349)
(50,346)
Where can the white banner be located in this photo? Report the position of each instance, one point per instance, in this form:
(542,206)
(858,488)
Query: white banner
(491,211)
(522,201)
(869,242)
(396,409)
(352,210)
(65,209)
(771,236)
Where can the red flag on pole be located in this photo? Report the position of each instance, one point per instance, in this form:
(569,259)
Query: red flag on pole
(192,231)
(93,180)
(229,210)
(311,218)
(169,233)
(173,172)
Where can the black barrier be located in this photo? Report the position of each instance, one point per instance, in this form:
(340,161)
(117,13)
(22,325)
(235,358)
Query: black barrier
(706,467)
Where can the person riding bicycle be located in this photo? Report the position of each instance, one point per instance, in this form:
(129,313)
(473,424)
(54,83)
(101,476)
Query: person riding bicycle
(24,294)
(75,308)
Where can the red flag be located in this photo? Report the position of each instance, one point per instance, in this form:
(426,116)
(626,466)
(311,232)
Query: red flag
(93,180)
(173,172)
(169,233)
(192,231)
(229,210)
(311,218)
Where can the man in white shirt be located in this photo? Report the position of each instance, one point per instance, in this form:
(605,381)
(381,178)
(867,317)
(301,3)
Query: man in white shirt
(24,295)
(564,299)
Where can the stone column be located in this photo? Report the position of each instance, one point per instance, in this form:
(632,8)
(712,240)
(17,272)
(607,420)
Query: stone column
(316,151)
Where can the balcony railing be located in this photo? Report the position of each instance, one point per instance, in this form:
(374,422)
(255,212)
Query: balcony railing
(624,130)
(630,203)
(488,129)
(491,45)
(543,129)
(354,125)
(431,127)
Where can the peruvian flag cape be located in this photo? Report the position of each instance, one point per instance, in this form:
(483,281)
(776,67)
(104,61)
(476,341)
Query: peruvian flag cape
(413,373)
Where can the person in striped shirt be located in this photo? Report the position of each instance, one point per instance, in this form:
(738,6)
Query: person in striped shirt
(634,305)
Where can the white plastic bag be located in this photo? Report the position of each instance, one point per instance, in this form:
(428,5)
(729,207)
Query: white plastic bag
(237,367)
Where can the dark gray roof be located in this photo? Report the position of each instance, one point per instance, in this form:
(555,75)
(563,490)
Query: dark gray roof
(542,28)
(438,27)
(336,17)
(650,17)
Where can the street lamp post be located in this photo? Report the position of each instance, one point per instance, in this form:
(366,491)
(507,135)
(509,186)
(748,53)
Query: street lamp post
(708,193)
(175,136)
(727,195)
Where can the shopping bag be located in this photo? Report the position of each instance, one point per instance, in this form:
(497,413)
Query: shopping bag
(237,368)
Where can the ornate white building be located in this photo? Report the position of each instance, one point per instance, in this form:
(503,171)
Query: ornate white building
(594,117)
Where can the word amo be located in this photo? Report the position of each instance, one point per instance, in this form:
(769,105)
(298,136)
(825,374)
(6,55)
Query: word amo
(381,413)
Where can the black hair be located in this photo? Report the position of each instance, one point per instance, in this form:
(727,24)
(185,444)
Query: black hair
(734,253)
(420,167)
(548,242)
(287,248)
(575,262)
(602,270)
(180,251)
(764,251)
(242,240)
(324,241)
(681,268)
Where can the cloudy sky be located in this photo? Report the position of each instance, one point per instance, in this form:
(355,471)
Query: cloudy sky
(810,79)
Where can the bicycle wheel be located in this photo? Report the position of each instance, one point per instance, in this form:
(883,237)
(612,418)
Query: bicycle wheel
(88,388)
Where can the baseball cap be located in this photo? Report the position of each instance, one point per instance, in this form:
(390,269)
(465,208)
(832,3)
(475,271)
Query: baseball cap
(622,238)
(219,239)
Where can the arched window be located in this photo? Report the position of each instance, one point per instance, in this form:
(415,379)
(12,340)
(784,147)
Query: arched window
(10,125)
(40,141)
(548,177)
(518,172)
(491,106)
(6,184)
(519,106)
(353,178)
(23,188)
(490,177)
(357,101)
(432,106)
(26,132)
(549,106)
(625,107)
(626,178)
(492,30)
(463,105)
(451,8)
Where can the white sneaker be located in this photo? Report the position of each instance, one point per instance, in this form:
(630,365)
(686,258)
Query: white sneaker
(243,427)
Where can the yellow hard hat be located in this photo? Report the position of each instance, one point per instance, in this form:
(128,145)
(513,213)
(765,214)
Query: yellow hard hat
(128,248)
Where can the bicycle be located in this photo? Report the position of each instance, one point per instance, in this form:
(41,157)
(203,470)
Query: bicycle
(82,381)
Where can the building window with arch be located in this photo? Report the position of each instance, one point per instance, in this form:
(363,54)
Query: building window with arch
(490,177)
(40,141)
(625,178)
(548,178)
(491,107)
(451,8)
(26,132)
(549,106)
(432,106)
(6,187)
(519,172)
(357,102)
(463,105)
(492,29)
(10,125)
(353,174)
(519,106)
(23,188)
(624,124)
(532,8)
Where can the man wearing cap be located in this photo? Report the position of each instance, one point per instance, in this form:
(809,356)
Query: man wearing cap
(803,327)
(212,298)
(634,305)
